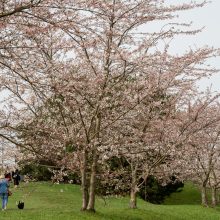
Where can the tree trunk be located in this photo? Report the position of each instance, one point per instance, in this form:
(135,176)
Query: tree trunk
(84,184)
(214,196)
(133,192)
(133,199)
(204,196)
(91,204)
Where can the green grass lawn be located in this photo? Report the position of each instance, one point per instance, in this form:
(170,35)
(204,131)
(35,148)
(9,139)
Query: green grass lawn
(44,201)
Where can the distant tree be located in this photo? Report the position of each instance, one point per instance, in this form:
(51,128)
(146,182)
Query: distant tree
(200,158)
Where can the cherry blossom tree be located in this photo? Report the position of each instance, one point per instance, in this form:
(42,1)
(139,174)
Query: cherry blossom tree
(83,71)
(200,153)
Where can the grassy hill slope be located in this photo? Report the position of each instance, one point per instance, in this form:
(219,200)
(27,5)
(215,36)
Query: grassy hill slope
(44,201)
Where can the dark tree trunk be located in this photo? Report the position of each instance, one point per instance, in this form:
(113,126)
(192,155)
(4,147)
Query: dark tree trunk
(84,182)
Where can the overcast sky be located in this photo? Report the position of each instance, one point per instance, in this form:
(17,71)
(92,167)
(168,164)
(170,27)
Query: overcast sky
(209,18)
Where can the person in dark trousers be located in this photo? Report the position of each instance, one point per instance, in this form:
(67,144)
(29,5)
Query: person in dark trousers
(4,185)
(16,178)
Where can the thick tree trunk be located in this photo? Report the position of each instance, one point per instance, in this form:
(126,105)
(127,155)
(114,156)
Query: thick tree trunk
(91,204)
(133,199)
(92,187)
(133,192)
(84,184)
(214,196)
(204,196)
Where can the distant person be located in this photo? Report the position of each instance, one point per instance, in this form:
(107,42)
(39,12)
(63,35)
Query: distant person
(16,178)
(4,185)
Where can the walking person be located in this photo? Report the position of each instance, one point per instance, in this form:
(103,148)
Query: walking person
(16,178)
(4,185)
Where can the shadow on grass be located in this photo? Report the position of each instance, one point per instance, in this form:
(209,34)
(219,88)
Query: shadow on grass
(135,214)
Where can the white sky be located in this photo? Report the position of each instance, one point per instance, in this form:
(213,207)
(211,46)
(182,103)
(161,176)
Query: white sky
(209,18)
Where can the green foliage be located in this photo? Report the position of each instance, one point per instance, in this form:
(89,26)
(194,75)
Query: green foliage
(36,172)
(73,178)
(117,163)
(153,191)
(69,148)
(114,179)
(117,182)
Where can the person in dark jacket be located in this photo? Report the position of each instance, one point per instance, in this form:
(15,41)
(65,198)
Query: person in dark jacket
(4,185)
(16,178)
